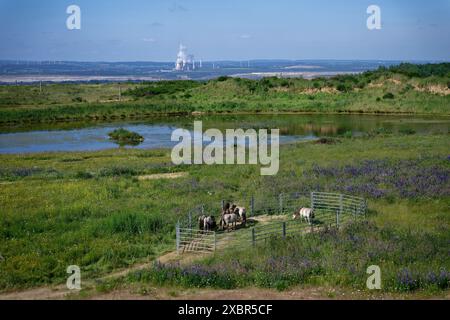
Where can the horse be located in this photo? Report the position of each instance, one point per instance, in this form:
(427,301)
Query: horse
(305,213)
(209,223)
(227,219)
(226,208)
(201,222)
(241,212)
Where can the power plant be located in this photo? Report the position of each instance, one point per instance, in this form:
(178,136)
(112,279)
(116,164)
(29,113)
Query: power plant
(185,61)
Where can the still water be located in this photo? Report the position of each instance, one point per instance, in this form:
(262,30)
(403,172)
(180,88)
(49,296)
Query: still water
(157,132)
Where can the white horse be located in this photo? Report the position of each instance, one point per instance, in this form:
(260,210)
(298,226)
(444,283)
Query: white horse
(209,223)
(304,213)
(241,212)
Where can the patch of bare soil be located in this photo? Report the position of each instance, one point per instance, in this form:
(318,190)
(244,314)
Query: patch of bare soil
(174,175)
(439,90)
(375,85)
(182,259)
(395,81)
(311,91)
(268,218)
(211,294)
(297,293)
(45,293)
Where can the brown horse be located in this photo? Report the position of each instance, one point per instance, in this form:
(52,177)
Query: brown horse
(201,222)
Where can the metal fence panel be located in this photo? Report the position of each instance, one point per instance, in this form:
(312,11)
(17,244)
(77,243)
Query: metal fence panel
(192,240)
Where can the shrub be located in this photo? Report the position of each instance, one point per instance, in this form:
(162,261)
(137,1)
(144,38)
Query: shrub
(117,171)
(410,280)
(222,78)
(124,137)
(83,175)
(407,131)
(389,95)
(326,140)
(422,70)
(342,87)
(197,276)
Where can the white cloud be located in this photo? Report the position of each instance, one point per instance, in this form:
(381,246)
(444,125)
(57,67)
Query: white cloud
(149,40)
(245,36)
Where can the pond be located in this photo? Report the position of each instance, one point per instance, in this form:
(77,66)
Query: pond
(157,131)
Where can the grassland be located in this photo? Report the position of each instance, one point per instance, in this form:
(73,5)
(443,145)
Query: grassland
(100,211)
(92,210)
(403,89)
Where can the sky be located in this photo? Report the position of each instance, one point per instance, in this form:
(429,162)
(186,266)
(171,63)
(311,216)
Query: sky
(151,30)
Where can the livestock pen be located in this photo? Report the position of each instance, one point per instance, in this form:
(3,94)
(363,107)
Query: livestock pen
(268,217)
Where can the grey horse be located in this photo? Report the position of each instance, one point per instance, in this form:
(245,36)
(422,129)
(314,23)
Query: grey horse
(227,219)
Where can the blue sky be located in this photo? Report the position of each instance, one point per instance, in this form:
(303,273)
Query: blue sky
(151,30)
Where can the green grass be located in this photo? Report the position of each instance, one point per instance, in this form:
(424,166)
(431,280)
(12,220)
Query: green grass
(397,90)
(89,208)
(57,94)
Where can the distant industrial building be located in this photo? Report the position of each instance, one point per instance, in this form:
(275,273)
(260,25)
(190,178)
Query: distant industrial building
(185,61)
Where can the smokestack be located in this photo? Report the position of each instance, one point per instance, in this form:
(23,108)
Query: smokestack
(184,62)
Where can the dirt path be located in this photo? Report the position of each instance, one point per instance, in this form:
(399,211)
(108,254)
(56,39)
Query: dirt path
(61,293)
(210,294)
(45,293)
(174,175)
(152,293)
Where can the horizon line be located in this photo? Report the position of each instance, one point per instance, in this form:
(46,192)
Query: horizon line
(227,60)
